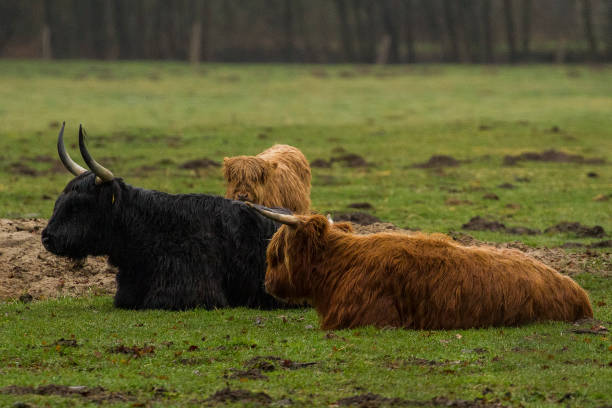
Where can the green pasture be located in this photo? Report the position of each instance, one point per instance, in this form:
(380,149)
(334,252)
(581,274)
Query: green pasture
(145,120)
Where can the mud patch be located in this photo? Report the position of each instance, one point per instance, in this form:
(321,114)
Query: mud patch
(133,351)
(361,206)
(320,163)
(350,160)
(565,262)
(199,164)
(27,270)
(438,161)
(22,169)
(227,395)
(378,227)
(552,156)
(577,229)
(589,326)
(507,186)
(271,363)
(93,394)
(479,223)
(360,218)
(370,400)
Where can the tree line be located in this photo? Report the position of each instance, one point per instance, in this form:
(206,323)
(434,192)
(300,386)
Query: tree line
(362,31)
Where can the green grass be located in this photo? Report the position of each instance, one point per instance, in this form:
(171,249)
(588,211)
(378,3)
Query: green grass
(160,115)
(534,365)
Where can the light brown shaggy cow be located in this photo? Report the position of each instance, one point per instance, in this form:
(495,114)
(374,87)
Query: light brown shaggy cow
(277,177)
(412,281)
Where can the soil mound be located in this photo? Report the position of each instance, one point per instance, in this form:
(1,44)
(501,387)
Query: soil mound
(438,161)
(578,229)
(199,164)
(28,271)
(552,155)
(350,160)
(360,218)
(479,223)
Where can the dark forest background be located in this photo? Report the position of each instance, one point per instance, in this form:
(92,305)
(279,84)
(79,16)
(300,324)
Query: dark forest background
(318,31)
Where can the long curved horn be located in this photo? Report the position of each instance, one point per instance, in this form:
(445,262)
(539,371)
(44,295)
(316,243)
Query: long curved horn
(102,174)
(286,219)
(70,164)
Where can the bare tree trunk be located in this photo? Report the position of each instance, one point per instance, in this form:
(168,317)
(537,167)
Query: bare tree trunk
(510,31)
(289,31)
(526,9)
(345,31)
(409,31)
(46,49)
(309,52)
(485,9)
(111,47)
(587,18)
(382,51)
(390,27)
(609,30)
(464,40)
(195,42)
(451,30)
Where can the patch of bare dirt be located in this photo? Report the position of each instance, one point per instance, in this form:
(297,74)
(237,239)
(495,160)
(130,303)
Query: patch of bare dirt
(357,217)
(28,271)
(92,394)
(438,161)
(569,263)
(320,163)
(370,400)
(199,164)
(379,227)
(578,229)
(361,206)
(270,363)
(227,395)
(350,160)
(552,155)
(133,351)
(479,223)
(589,326)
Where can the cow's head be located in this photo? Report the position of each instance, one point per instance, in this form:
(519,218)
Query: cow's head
(295,253)
(81,220)
(246,177)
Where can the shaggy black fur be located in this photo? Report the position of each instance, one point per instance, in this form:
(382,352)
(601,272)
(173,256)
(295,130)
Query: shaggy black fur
(172,251)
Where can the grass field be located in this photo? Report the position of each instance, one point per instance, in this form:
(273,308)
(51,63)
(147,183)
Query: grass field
(145,120)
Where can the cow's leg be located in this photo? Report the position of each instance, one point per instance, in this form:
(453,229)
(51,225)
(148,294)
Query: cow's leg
(130,291)
(184,291)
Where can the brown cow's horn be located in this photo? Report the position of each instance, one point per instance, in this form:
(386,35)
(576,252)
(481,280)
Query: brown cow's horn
(286,219)
(102,173)
(64,157)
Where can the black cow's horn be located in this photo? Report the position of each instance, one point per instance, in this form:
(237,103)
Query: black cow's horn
(287,219)
(64,157)
(102,174)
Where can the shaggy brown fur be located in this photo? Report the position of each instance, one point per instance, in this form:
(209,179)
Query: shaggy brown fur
(414,281)
(277,177)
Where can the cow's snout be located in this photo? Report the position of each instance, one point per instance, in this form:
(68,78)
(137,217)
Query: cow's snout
(46,239)
(243,197)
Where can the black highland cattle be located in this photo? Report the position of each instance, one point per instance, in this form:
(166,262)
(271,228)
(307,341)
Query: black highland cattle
(172,251)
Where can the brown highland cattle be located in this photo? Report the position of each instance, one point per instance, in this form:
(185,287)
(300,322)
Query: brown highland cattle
(412,281)
(277,177)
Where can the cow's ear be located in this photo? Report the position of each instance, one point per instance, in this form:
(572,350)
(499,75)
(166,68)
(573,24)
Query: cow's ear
(316,227)
(344,226)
